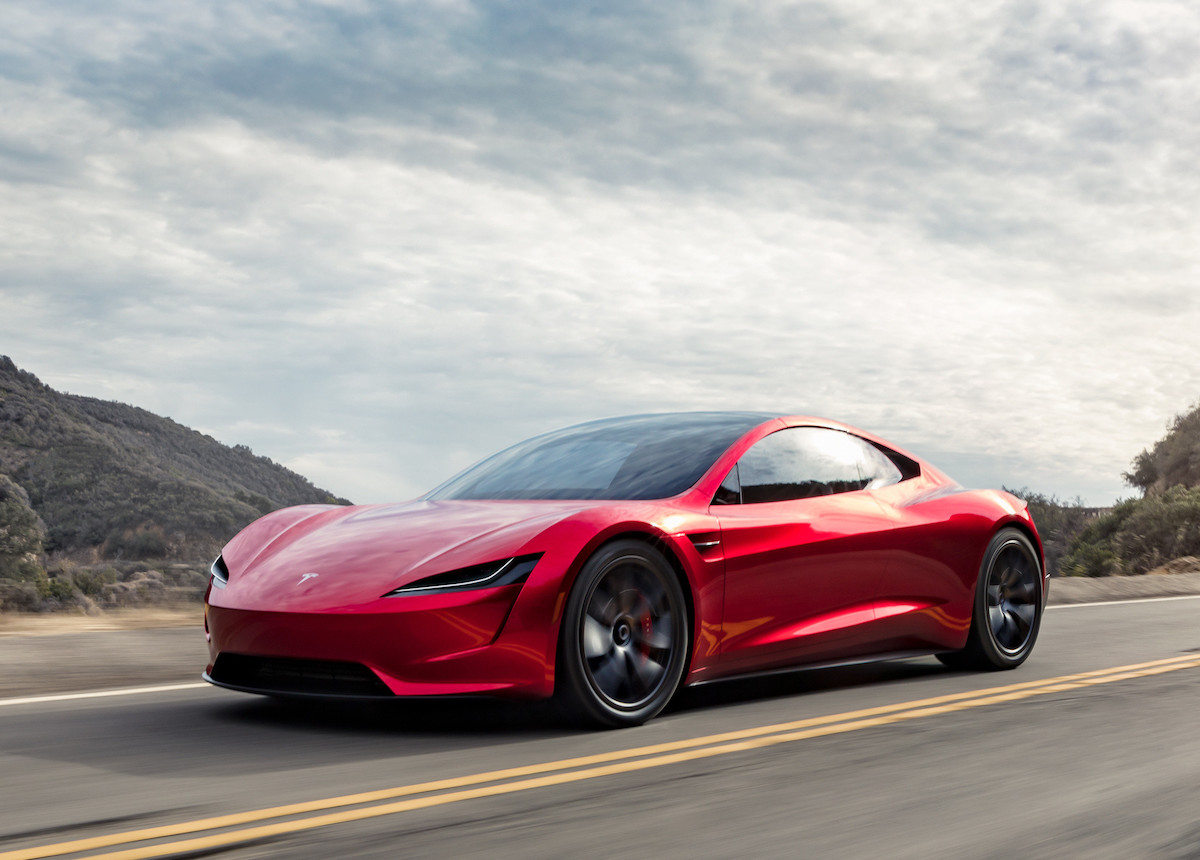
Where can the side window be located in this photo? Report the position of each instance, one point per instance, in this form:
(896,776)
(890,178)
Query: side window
(878,468)
(730,491)
(801,462)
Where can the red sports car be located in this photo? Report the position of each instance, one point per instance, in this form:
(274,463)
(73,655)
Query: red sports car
(610,562)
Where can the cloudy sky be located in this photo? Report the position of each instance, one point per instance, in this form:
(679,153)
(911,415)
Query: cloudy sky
(375,241)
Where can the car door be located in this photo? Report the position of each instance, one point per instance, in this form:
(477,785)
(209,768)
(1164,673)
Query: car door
(805,543)
(929,583)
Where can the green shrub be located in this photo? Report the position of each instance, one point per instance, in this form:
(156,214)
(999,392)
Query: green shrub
(1138,535)
(92,583)
(20,534)
(139,544)
(60,589)
(1058,522)
(21,570)
(1173,461)
(20,596)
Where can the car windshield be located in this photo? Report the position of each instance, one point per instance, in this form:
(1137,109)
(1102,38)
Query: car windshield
(641,457)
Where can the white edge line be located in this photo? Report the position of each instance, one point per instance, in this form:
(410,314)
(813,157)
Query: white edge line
(101,694)
(1122,602)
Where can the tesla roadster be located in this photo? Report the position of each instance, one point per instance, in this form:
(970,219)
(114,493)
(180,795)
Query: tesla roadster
(608,563)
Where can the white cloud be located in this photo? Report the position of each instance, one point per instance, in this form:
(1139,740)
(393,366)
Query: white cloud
(377,242)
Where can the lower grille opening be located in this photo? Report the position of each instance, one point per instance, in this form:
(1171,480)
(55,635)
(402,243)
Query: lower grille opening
(288,675)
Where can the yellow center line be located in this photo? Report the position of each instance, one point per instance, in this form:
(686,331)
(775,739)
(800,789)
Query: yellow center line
(566,770)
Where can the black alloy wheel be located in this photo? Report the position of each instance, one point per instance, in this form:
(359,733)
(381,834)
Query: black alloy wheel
(624,641)
(1008,606)
(1013,597)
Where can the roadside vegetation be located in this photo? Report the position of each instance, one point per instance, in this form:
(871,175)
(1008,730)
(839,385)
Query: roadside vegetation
(1060,522)
(1158,531)
(1163,526)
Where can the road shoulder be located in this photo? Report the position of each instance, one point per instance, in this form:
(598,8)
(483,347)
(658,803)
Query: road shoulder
(1068,590)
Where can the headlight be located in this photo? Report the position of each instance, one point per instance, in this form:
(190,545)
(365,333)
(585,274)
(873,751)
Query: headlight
(508,571)
(219,572)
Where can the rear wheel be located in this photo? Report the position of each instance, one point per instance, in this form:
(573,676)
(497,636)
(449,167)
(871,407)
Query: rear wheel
(623,646)
(1008,606)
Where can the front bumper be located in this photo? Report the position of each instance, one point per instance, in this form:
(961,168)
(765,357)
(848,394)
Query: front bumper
(451,644)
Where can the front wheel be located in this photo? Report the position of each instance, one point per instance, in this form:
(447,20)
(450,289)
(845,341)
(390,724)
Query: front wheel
(1008,606)
(624,640)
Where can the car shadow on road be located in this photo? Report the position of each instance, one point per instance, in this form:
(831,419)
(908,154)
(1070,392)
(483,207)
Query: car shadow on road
(800,682)
(441,717)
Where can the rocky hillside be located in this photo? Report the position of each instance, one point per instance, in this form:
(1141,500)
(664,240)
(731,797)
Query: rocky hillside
(93,487)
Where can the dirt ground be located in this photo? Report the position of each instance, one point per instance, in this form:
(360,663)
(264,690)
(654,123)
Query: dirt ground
(52,623)
(47,653)
(1177,578)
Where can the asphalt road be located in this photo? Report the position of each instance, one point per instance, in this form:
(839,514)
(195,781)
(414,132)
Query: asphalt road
(1105,764)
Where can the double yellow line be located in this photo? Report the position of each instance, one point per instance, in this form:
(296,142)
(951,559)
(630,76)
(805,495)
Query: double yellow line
(226,830)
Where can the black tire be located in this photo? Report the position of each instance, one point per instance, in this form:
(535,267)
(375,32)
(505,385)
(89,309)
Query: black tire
(1008,606)
(623,645)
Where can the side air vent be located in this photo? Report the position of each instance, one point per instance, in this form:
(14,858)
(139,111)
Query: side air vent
(299,677)
(706,542)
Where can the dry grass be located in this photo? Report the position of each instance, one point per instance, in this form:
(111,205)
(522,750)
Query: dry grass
(53,623)
(1187,564)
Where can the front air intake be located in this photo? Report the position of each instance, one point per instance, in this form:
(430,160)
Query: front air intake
(288,676)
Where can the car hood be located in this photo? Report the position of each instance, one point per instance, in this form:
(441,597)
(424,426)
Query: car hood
(321,558)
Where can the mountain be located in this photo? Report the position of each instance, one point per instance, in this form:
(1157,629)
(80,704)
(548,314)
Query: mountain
(92,481)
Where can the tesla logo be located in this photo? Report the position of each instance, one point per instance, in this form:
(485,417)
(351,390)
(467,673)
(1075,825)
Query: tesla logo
(307,577)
